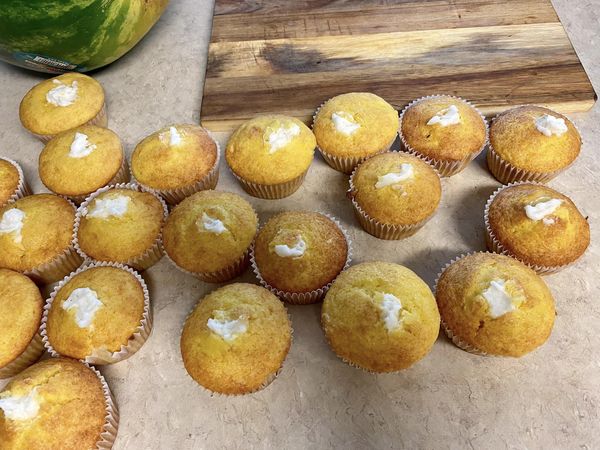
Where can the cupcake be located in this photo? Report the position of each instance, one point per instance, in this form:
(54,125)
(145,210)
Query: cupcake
(531,143)
(61,103)
(57,404)
(298,254)
(380,317)
(236,339)
(121,224)
(12,182)
(536,225)
(270,155)
(177,161)
(99,314)
(492,304)
(394,194)
(447,131)
(352,127)
(77,162)
(20,315)
(209,235)
(36,237)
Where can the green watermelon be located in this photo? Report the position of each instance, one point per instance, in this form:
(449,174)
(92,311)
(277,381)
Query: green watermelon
(73,35)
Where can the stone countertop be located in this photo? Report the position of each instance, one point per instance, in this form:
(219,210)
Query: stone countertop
(451,399)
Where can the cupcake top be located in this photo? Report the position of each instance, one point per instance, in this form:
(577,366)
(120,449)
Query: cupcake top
(396,188)
(357,124)
(495,304)
(380,316)
(34,230)
(54,404)
(236,339)
(9,180)
(538,225)
(95,312)
(209,231)
(119,224)
(174,157)
(61,103)
(300,251)
(80,161)
(271,149)
(20,314)
(443,128)
(535,139)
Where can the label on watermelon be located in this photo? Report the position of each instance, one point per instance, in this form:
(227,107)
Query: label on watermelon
(45,63)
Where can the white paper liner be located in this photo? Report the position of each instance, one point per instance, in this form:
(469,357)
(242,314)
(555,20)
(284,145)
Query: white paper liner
(22,189)
(271,191)
(135,342)
(111,424)
(305,298)
(30,355)
(100,120)
(222,275)
(445,168)
(147,259)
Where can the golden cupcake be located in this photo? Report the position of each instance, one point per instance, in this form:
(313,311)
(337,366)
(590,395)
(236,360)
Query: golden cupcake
(100,314)
(494,305)
(12,181)
(394,194)
(447,131)
(209,235)
(121,224)
(531,143)
(380,317)
(20,316)
(77,162)
(177,161)
(352,127)
(536,225)
(270,155)
(57,404)
(36,237)
(297,254)
(236,339)
(61,103)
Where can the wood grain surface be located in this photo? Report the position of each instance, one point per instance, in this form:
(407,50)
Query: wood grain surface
(288,57)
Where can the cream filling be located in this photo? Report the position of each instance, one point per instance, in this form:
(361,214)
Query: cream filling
(213,225)
(297,251)
(498,299)
(174,137)
(63,94)
(446,117)
(12,222)
(390,308)
(549,125)
(85,303)
(109,207)
(393,178)
(344,123)
(81,147)
(20,408)
(540,210)
(228,330)
(281,137)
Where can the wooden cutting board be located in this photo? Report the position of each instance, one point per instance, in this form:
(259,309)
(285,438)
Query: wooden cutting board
(288,56)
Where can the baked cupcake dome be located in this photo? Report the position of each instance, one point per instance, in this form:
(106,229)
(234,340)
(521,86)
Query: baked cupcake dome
(57,404)
(36,237)
(351,127)
(209,235)
(12,181)
(20,316)
(236,339)
(298,254)
(77,162)
(380,317)
(121,224)
(58,104)
(531,143)
(100,314)
(270,155)
(446,130)
(394,194)
(536,225)
(177,161)
(493,304)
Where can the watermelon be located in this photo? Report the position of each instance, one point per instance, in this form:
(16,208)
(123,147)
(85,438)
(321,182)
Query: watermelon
(73,35)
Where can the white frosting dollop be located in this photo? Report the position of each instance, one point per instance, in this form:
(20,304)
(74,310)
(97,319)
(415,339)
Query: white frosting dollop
(282,137)
(213,225)
(81,147)
(109,207)
(549,125)
(390,309)
(498,300)
(174,137)
(344,123)
(20,408)
(86,303)
(62,94)
(392,178)
(228,329)
(446,117)
(12,222)
(285,251)
(540,210)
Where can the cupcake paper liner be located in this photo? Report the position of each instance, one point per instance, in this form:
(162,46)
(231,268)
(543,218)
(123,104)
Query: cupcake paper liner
(135,342)
(305,298)
(147,259)
(100,120)
(445,168)
(30,355)
(22,189)
(111,424)
(219,276)
(271,191)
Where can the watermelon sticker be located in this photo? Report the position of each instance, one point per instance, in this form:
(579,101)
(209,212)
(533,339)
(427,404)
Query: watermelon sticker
(45,63)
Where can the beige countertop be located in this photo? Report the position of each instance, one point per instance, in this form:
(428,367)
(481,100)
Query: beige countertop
(451,399)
